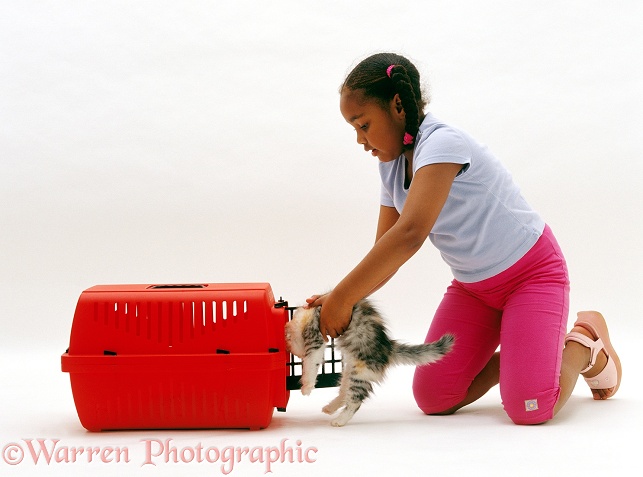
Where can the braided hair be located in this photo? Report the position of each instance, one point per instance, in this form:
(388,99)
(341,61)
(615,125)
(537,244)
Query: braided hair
(381,77)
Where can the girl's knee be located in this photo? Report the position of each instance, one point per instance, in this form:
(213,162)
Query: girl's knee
(525,408)
(434,395)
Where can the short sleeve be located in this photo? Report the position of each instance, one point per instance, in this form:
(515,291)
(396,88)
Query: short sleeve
(444,145)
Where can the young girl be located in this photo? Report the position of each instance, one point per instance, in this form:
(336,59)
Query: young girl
(510,284)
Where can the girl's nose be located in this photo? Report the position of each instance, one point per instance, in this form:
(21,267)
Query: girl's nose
(360,138)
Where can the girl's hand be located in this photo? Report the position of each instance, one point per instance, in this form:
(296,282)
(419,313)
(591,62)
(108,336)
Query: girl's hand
(315,300)
(335,317)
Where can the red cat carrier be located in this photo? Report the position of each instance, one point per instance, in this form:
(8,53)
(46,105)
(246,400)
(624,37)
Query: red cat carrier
(182,356)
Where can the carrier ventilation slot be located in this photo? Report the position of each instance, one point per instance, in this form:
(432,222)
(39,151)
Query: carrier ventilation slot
(158,320)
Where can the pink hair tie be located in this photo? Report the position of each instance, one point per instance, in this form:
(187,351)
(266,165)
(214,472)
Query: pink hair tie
(389,69)
(408,139)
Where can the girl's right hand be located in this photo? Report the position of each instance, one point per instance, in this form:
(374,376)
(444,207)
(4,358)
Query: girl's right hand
(315,300)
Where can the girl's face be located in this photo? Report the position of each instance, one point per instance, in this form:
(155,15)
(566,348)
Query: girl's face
(380,130)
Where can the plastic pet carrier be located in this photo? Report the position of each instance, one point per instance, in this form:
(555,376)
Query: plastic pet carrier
(182,356)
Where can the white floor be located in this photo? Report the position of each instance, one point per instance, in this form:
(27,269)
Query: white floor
(199,141)
(388,436)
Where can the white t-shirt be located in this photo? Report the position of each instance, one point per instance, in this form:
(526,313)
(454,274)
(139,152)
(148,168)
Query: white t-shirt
(486,225)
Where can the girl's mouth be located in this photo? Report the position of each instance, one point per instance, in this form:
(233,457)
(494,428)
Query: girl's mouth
(374,152)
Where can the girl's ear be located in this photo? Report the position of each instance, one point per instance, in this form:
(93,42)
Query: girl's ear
(396,106)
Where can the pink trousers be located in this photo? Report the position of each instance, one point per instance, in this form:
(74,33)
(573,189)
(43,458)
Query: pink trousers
(524,311)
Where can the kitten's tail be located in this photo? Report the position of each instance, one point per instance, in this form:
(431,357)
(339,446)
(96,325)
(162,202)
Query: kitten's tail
(421,354)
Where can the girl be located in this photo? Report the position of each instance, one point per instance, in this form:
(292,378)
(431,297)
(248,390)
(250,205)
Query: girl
(510,284)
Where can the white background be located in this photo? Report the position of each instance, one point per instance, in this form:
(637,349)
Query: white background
(197,141)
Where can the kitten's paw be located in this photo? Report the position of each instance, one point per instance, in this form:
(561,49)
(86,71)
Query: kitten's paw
(338,422)
(328,409)
(342,419)
(306,389)
(333,406)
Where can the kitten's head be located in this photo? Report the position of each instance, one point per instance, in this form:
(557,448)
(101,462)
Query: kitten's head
(295,330)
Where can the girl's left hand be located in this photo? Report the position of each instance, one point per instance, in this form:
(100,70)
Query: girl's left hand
(335,317)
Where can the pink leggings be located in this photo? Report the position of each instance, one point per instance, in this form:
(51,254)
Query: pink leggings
(524,310)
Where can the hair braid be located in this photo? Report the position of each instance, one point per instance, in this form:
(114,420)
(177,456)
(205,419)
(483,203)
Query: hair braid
(402,85)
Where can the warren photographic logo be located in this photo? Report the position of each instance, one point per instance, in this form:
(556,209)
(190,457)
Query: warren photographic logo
(155,452)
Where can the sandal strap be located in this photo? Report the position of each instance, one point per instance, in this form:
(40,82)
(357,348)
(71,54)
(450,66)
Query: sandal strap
(594,348)
(606,379)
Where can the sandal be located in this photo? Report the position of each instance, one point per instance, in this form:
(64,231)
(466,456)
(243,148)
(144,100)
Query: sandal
(610,376)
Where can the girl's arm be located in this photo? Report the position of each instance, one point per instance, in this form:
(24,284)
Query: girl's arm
(399,242)
(387,219)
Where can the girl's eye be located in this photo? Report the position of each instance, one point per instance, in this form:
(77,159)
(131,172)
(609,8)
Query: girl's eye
(364,127)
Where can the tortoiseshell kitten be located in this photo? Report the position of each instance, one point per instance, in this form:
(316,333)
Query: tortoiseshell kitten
(367,352)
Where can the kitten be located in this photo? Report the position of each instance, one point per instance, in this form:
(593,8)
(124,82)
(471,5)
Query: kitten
(366,349)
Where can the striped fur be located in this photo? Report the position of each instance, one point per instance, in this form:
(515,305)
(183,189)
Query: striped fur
(367,352)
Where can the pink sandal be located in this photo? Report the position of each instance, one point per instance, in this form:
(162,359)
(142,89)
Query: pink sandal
(594,322)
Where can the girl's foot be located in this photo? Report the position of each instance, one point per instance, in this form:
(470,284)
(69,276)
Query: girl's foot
(603,373)
(601,362)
